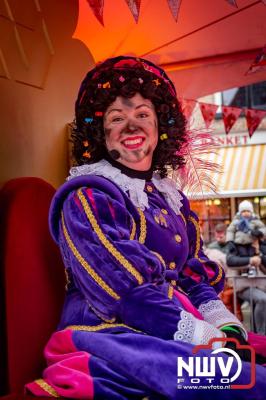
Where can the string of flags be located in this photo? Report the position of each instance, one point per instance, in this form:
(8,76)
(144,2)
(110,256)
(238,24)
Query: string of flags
(229,114)
(97,7)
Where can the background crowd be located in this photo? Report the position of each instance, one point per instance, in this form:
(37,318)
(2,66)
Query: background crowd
(241,250)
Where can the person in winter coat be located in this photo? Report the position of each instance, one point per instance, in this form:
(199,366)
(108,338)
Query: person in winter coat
(253,254)
(243,223)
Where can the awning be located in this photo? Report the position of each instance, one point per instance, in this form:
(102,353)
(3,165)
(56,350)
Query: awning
(209,49)
(244,171)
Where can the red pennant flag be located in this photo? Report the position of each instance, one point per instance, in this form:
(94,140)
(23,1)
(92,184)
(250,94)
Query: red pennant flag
(232,3)
(97,8)
(254,118)
(264,2)
(230,115)
(174,6)
(208,112)
(188,107)
(134,6)
(259,64)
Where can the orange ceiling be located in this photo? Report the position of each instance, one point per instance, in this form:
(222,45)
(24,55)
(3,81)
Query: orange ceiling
(208,49)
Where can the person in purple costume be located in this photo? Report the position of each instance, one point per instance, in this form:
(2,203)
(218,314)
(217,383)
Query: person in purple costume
(141,291)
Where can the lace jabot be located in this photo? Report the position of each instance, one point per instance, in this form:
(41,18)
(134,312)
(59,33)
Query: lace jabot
(134,187)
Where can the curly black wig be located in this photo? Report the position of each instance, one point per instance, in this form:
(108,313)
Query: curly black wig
(126,76)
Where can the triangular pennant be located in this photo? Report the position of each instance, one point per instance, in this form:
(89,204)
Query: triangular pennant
(97,8)
(264,2)
(134,6)
(188,107)
(232,3)
(174,6)
(253,118)
(259,64)
(230,115)
(208,112)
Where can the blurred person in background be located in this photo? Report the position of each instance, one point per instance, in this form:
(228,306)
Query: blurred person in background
(218,248)
(220,239)
(243,223)
(216,251)
(252,255)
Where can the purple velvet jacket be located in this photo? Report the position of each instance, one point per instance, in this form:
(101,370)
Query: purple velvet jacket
(123,263)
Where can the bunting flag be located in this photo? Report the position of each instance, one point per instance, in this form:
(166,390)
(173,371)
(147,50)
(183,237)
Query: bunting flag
(208,112)
(97,8)
(230,115)
(188,107)
(232,3)
(253,118)
(134,6)
(174,6)
(264,2)
(259,64)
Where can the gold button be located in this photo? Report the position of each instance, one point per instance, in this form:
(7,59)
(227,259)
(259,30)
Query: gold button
(178,238)
(149,188)
(165,212)
(172,265)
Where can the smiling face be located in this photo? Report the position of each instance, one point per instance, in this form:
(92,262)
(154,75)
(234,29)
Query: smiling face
(131,128)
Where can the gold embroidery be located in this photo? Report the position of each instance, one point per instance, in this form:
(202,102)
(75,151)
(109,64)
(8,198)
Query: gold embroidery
(183,218)
(219,276)
(178,238)
(47,388)
(106,243)
(197,249)
(164,211)
(171,289)
(172,265)
(86,266)
(99,327)
(133,231)
(143,227)
(158,255)
(100,316)
(149,188)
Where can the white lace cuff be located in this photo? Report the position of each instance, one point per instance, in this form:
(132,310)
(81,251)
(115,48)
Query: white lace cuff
(215,313)
(196,331)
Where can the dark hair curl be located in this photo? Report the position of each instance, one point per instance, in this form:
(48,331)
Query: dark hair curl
(102,86)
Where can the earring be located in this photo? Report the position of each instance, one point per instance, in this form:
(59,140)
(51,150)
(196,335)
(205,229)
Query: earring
(163,136)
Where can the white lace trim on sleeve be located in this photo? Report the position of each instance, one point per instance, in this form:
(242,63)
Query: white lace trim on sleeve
(195,331)
(216,314)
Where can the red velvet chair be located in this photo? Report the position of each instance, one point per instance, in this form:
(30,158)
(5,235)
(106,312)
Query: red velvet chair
(32,281)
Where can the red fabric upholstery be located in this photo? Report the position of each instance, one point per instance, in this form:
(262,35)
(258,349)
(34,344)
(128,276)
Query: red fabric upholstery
(33,278)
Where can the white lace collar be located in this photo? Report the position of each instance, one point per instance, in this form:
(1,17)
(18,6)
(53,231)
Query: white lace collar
(132,186)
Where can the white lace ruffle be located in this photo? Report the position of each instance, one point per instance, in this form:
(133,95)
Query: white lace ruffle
(216,314)
(134,187)
(195,331)
(170,192)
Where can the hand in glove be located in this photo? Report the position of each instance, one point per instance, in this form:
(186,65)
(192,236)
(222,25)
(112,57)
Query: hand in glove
(244,354)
